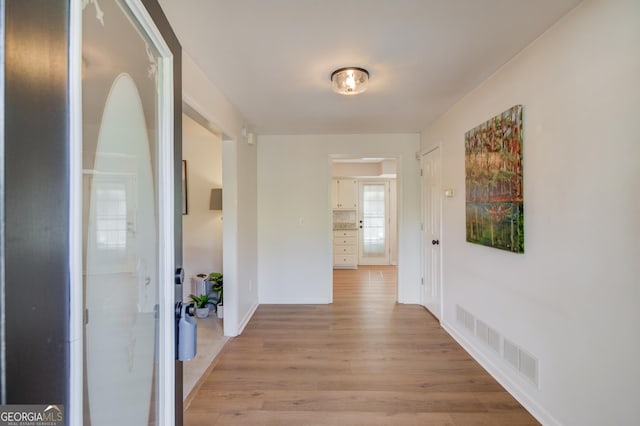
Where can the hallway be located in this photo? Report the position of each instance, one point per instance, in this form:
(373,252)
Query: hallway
(364,360)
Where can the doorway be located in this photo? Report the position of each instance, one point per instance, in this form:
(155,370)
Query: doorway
(364,210)
(202,235)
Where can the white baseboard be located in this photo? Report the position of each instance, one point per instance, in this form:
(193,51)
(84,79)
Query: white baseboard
(409,301)
(520,394)
(247,318)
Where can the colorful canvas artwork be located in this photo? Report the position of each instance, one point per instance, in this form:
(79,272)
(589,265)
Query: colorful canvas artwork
(493,180)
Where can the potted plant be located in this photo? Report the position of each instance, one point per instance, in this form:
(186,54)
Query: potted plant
(202,304)
(216,280)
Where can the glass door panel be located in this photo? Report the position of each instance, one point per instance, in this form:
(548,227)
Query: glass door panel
(123,236)
(374,217)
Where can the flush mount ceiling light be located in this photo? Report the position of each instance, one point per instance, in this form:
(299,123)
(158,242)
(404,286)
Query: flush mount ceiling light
(350,80)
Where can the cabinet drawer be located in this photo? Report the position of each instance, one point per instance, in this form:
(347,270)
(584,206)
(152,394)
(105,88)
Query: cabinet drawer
(344,241)
(344,260)
(341,234)
(341,250)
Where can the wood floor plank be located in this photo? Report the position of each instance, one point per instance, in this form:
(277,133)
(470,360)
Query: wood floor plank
(363,360)
(329,418)
(372,401)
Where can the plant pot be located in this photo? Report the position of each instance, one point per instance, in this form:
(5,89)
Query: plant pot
(220,311)
(202,312)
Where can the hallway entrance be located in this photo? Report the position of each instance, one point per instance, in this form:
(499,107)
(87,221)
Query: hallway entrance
(364,359)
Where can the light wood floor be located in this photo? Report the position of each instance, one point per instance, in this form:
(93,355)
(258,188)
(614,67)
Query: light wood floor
(364,360)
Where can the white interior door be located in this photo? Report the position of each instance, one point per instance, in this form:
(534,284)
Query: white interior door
(431,292)
(127,217)
(374,223)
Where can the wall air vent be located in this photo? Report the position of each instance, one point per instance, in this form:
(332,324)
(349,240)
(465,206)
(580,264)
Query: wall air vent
(465,319)
(460,315)
(493,340)
(521,360)
(510,353)
(482,331)
(525,363)
(488,336)
(528,366)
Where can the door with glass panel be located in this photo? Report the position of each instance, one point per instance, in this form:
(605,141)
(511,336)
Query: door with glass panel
(374,223)
(128,216)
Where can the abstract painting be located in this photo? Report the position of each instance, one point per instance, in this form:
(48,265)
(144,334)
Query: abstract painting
(493,182)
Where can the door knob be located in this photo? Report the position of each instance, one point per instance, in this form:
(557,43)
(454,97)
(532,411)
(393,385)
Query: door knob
(435,242)
(179,276)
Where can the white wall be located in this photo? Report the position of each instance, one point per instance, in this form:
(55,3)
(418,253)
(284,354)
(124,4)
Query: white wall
(239,196)
(246,176)
(573,299)
(295,221)
(201,227)
(362,169)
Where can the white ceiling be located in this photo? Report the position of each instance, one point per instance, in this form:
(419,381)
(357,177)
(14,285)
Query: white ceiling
(273,58)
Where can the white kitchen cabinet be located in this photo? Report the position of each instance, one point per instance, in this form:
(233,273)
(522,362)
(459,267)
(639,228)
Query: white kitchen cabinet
(344,194)
(345,249)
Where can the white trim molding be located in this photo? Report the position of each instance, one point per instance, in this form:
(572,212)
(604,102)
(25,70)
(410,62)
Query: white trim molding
(76,306)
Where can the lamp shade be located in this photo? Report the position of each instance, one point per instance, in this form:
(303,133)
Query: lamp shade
(350,80)
(215,203)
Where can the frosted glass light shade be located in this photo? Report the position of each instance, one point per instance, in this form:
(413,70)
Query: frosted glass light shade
(349,81)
